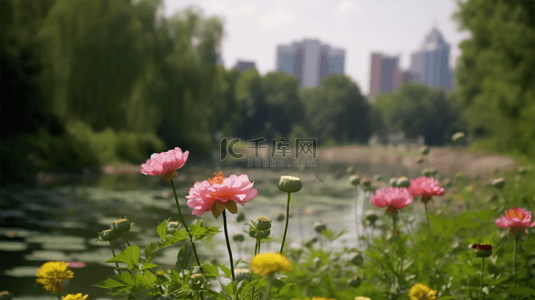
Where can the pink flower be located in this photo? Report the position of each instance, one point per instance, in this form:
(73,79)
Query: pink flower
(516,219)
(218,193)
(165,163)
(394,198)
(425,187)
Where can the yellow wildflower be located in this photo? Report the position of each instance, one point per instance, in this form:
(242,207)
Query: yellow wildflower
(50,275)
(75,297)
(269,263)
(422,292)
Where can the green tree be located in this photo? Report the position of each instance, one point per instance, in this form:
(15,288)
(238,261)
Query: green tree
(495,74)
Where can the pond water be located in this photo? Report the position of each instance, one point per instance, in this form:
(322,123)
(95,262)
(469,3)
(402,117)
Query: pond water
(61,222)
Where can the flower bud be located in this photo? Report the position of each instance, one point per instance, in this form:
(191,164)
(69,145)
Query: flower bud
(427,172)
(434,172)
(403,182)
(354,282)
(262,223)
(311,242)
(263,233)
(242,274)
(319,227)
(498,183)
(355,180)
(447,183)
(290,184)
(458,137)
(366,182)
(424,150)
(357,259)
(377,177)
(419,160)
(252,232)
(121,226)
(172,227)
(280,217)
(371,217)
(240,217)
(238,238)
(482,250)
(393,182)
(196,281)
(459,175)
(107,235)
(350,170)
(5,295)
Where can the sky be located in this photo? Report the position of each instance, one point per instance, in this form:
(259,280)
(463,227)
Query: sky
(254,28)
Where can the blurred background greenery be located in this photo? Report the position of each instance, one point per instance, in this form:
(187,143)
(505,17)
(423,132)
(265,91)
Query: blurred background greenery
(93,82)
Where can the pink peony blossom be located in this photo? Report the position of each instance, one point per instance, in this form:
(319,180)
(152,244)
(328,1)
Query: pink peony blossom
(218,193)
(516,219)
(165,163)
(394,198)
(425,187)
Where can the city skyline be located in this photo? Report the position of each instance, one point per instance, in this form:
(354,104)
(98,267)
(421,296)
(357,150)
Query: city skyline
(253,29)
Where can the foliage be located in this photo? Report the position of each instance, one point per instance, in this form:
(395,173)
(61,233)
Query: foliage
(495,73)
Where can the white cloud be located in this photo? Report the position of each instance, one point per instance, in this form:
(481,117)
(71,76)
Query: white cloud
(277,20)
(349,8)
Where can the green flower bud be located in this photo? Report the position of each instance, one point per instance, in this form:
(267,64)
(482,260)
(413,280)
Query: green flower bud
(447,183)
(319,227)
(242,274)
(403,182)
(252,232)
(392,182)
(280,217)
(263,233)
(240,217)
(459,175)
(196,281)
(424,150)
(355,180)
(366,182)
(498,183)
(419,160)
(238,238)
(5,295)
(121,226)
(434,172)
(371,217)
(311,242)
(107,235)
(458,138)
(482,250)
(290,184)
(357,259)
(262,223)
(350,170)
(427,172)
(354,282)
(377,177)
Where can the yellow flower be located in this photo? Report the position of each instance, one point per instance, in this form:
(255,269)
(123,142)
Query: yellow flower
(422,292)
(75,297)
(50,274)
(269,263)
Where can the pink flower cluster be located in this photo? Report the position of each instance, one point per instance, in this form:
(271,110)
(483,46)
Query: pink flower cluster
(394,198)
(425,187)
(516,219)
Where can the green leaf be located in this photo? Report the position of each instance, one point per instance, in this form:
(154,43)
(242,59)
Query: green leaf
(110,284)
(210,271)
(130,256)
(285,289)
(149,249)
(229,289)
(162,229)
(198,232)
(185,257)
(225,270)
(148,266)
(150,278)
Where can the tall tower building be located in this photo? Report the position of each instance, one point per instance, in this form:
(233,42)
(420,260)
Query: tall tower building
(385,74)
(310,61)
(243,65)
(430,65)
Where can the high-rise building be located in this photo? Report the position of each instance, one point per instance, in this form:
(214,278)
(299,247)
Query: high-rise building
(243,65)
(310,61)
(385,74)
(430,65)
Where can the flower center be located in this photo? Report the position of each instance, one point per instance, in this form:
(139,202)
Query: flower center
(514,213)
(218,178)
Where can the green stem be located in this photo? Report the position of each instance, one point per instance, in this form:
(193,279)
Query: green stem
(394,238)
(481,283)
(187,230)
(287,217)
(256,251)
(124,237)
(113,252)
(270,279)
(356,214)
(228,245)
(469,287)
(514,257)
(504,198)
(426,216)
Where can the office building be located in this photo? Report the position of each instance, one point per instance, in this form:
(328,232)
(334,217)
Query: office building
(310,61)
(243,65)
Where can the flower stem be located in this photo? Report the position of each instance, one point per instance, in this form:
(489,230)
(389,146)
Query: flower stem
(187,230)
(481,284)
(228,245)
(426,216)
(256,251)
(287,217)
(356,214)
(124,237)
(113,252)
(514,258)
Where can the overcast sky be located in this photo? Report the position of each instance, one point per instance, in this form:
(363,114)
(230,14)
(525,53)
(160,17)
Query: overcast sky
(254,28)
